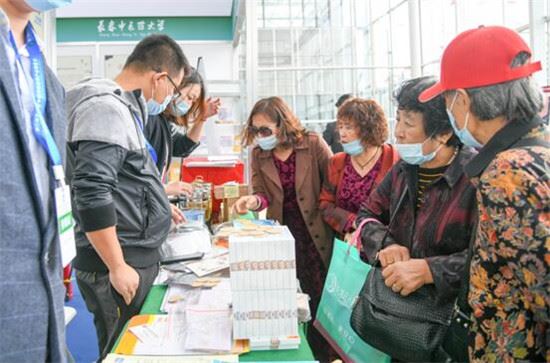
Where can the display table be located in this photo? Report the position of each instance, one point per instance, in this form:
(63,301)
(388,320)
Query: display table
(153,303)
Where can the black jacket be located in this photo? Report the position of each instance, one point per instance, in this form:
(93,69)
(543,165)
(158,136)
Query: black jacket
(167,140)
(332,137)
(114,181)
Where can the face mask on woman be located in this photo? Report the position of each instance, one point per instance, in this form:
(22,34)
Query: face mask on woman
(412,153)
(267,143)
(353,148)
(464,135)
(181,108)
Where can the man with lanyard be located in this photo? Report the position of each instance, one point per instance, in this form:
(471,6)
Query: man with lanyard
(121,210)
(36,234)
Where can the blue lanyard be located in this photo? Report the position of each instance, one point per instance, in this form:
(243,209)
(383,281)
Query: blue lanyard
(40,129)
(151,149)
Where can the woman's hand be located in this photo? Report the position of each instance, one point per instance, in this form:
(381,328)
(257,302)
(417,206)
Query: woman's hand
(406,277)
(179,188)
(393,253)
(246,203)
(212,107)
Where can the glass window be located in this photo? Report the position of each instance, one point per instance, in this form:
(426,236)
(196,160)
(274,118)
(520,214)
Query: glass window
(437,27)
(400,41)
(265,48)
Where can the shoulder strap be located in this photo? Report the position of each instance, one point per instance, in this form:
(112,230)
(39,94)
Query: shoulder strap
(462,306)
(392,220)
(532,141)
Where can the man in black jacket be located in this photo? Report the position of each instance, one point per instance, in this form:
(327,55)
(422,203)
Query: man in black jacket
(121,210)
(331,135)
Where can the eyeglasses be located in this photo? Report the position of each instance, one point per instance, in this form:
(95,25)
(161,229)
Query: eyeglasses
(177,93)
(263,131)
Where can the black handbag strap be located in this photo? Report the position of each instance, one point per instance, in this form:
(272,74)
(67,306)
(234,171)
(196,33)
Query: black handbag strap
(462,307)
(390,224)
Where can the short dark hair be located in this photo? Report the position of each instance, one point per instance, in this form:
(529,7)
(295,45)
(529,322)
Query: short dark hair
(368,116)
(158,52)
(343,98)
(434,114)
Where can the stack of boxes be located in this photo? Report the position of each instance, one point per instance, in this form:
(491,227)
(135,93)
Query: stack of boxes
(263,285)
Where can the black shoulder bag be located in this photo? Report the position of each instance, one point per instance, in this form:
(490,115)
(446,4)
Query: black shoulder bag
(455,343)
(409,328)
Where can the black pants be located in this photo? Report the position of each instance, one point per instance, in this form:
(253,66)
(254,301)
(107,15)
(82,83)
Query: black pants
(108,307)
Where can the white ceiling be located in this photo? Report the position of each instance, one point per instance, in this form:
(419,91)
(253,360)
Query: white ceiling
(139,8)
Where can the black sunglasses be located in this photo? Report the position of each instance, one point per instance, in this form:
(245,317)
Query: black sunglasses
(263,131)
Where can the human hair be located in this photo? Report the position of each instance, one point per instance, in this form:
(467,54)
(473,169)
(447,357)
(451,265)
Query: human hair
(291,131)
(343,98)
(160,53)
(434,115)
(368,116)
(198,108)
(519,99)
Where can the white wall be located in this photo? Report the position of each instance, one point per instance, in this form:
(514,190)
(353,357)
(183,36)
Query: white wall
(79,60)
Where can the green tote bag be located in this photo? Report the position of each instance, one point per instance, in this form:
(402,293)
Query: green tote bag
(345,278)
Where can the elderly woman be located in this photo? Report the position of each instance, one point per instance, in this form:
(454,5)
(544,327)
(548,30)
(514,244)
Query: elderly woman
(493,104)
(428,243)
(354,173)
(288,166)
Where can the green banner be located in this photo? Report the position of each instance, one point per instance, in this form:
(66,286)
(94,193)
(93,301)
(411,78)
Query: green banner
(129,29)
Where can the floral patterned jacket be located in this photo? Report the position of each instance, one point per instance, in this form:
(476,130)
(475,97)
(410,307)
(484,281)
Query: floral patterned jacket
(509,272)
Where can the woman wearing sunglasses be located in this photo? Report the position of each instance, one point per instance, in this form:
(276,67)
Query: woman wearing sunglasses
(288,166)
(189,110)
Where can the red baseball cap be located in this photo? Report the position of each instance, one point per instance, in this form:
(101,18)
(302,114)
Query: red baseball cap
(481,57)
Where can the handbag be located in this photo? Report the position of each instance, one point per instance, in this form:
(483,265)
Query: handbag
(455,343)
(409,328)
(344,280)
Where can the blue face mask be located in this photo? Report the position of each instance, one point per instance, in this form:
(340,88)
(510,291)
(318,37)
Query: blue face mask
(267,143)
(181,108)
(464,135)
(412,153)
(155,108)
(353,148)
(45,5)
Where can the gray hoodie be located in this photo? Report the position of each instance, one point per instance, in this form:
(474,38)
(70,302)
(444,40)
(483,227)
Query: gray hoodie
(114,180)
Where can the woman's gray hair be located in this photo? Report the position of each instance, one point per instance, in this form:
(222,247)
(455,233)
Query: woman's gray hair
(520,99)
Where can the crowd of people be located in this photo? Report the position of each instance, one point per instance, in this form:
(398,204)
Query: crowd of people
(460,202)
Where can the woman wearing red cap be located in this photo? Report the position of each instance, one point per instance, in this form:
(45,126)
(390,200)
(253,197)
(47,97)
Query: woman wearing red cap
(493,104)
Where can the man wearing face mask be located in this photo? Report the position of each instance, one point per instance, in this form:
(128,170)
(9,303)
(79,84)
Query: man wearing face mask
(122,212)
(493,103)
(32,325)
(189,111)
